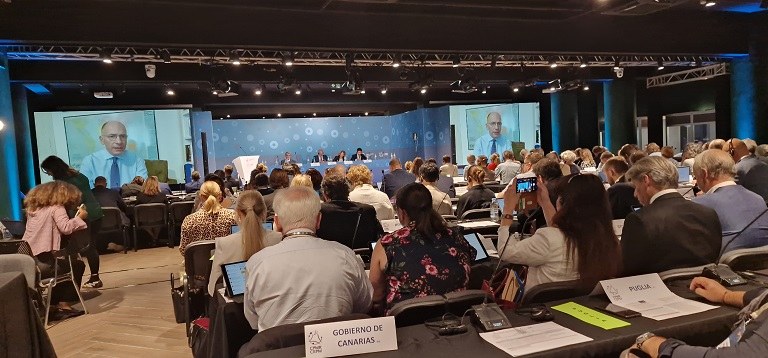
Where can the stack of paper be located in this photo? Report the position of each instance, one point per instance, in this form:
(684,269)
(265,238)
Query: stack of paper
(534,338)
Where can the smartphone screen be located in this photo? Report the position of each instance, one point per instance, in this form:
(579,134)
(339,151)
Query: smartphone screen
(620,311)
(526,185)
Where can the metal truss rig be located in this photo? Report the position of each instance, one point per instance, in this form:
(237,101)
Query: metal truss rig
(696,74)
(321,58)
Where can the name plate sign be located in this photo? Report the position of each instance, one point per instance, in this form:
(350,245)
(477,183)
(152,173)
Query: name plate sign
(348,162)
(350,337)
(330,163)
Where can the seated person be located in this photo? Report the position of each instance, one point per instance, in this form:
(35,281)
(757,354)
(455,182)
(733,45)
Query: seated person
(251,212)
(133,188)
(477,195)
(278,180)
(669,232)
(507,170)
(46,208)
(210,221)
(317,179)
(448,169)
(621,194)
(342,156)
(363,192)
(425,257)
(750,343)
(260,183)
(578,242)
(227,200)
(230,182)
(150,192)
(443,183)
(441,202)
(569,159)
(482,162)
(350,223)
(736,206)
(396,178)
(195,184)
(109,198)
(303,278)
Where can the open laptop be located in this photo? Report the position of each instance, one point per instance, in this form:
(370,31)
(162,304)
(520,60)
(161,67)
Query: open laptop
(474,240)
(266,225)
(683,175)
(16,228)
(234,279)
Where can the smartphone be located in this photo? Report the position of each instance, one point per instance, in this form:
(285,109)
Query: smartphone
(618,310)
(526,185)
(636,207)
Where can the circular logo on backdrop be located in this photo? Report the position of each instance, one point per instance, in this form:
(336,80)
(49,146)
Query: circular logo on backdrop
(261,142)
(295,137)
(366,133)
(367,144)
(345,135)
(215,136)
(320,132)
(224,139)
(429,135)
(334,133)
(393,131)
(249,137)
(385,139)
(308,131)
(252,148)
(287,140)
(309,150)
(273,144)
(441,136)
(323,144)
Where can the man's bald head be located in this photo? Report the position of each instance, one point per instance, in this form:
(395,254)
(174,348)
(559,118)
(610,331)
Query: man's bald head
(737,148)
(114,137)
(493,124)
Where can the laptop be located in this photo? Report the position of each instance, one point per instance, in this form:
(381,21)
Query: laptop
(683,174)
(234,278)
(16,228)
(474,240)
(234,229)
(267,226)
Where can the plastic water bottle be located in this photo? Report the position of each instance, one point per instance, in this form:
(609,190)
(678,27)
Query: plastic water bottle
(494,210)
(6,233)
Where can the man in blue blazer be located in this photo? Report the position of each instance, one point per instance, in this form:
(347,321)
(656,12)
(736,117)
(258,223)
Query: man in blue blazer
(396,178)
(751,172)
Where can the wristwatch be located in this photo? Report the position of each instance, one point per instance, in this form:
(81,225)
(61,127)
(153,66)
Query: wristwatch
(642,338)
(508,217)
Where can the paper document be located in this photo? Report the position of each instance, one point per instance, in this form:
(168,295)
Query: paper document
(649,296)
(534,338)
(590,316)
(391,225)
(461,190)
(474,224)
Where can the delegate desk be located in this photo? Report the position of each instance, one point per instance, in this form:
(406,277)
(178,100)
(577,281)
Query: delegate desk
(705,328)
(375,165)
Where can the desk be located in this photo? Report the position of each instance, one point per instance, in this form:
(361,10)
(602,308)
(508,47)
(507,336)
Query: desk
(23,333)
(706,328)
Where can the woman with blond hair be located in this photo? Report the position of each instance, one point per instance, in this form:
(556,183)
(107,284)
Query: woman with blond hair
(46,206)
(587,160)
(251,213)
(363,191)
(301,180)
(210,221)
(477,195)
(150,192)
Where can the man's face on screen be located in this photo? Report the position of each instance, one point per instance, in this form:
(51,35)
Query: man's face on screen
(493,124)
(114,137)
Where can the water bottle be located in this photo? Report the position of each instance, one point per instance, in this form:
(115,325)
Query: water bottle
(6,233)
(494,210)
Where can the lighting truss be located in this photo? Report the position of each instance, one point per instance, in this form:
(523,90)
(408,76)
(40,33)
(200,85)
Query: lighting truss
(695,74)
(321,58)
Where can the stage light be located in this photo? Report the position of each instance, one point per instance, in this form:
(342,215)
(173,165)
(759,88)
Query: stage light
(234,58)
(552,64)
(170,92)
(516,90)
(485,90)
(396,61)
(423,91)
(456,61)
(215,92)
(288,60)
(707,3)
(165,56)
(2,125)
(584,63)
(586,87)
(616,65)
(298,91)
(362,91)
(366,113)
(660,64)
(314,114)
(228,116)
(105,56)
(279,114)
(259,90)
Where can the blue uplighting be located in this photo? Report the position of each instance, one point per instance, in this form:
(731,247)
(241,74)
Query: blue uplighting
(743,101)
(743,8)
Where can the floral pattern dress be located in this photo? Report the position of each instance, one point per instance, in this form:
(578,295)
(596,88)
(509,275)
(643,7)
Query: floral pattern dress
(418,267)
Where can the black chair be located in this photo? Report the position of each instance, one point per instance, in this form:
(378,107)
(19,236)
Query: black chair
(682,273)
(152,218)
(476,214)
(461,301)
(112,223)
(755,258)
(11,247)
(554,291)
(176,213)
(197,271)
(418,310)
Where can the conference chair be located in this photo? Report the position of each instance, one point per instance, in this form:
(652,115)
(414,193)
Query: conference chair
(60,275)
(682,273)
(15,247)
(197,271)
(554,291)
(476,214)
(176,213)
(20,263)
(450,218)
(152,218)
(417,310)
(112,223)
(755,258)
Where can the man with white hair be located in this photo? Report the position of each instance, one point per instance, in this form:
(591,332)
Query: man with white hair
(736,206)
(303,278)
(669,231)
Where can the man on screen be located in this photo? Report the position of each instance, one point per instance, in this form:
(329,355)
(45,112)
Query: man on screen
(493,142)
(114,162)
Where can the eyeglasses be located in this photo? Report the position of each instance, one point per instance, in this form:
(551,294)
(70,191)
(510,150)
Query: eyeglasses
(730,146)
(114,137)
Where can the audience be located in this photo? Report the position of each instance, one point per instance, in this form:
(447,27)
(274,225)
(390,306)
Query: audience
(689,153)
(195,184)
(133,188)
(604,157)
(59,170)
(260,183)
(396,178)
(417,163)
(636,156)
(669,231)
(751,173)
(361,179)
(278,180)
(494,161)
(761,152)
(669,154)
(441,202)
(350,223)
(652,149)
(717,144)
(231,182)
(627,150)
(109,198)
(477,195)
(46,208)
(482,162)
(587,160)
(425,257)
(316,177)
(507,170)
(471,161)
(303,278)
(569,158)
(448,169)
(578,242)
(302,180)
(210,221)
(532,218)
(408,166)
(736,206)
(621,194)
(250,214)
(150,192)
(443,183)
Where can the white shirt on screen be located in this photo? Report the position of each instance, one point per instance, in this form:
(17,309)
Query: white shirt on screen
(100,164)
(304,278)
(484,143)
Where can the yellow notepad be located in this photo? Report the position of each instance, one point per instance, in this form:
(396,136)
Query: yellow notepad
(590,316)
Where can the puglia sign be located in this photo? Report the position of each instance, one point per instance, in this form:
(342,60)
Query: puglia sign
(350,337)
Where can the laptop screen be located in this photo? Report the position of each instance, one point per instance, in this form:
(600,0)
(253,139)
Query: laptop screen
(16,228)
(683,174)
(234,277)
(473,240)
(268,225)
(235,228)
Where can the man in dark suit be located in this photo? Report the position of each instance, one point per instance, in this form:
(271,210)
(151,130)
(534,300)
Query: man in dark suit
(350,223)
(230,181)
(320,157)
(669,232)
(751,172)
(287,160)
(110,198)
(195,184)
(359,155)
(396,178)
(621,195)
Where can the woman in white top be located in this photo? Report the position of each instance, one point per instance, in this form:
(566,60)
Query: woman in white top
(361,179)
(251,212)
(578,242)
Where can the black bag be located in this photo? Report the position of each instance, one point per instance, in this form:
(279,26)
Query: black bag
(195,304)
(198,339)
(179,301)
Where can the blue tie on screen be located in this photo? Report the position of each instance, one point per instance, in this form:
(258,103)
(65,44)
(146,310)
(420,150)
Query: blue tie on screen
(114,174)
(493,146)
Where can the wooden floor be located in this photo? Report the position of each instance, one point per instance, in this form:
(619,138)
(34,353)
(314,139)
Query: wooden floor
(132,315)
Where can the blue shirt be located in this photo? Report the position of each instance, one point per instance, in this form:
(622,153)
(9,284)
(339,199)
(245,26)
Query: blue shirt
(100,164)
(736,207)
(483,145)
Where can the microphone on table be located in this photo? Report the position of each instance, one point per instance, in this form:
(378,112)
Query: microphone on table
(722,273)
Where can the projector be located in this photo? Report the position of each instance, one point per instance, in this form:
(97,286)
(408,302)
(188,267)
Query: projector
(103,94)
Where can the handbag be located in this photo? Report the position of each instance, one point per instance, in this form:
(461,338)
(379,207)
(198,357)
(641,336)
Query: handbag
(179,301)
(198,337)
(507,286)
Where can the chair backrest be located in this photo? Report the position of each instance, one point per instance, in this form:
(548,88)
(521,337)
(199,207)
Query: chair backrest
(554,291)
(197,262)
(179,210)
(682,273)
(20,263)
(755,258)
(112,221)
(10,246)
(461,301)
(288,335)
(476,214)
(417,310)
(155,214)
